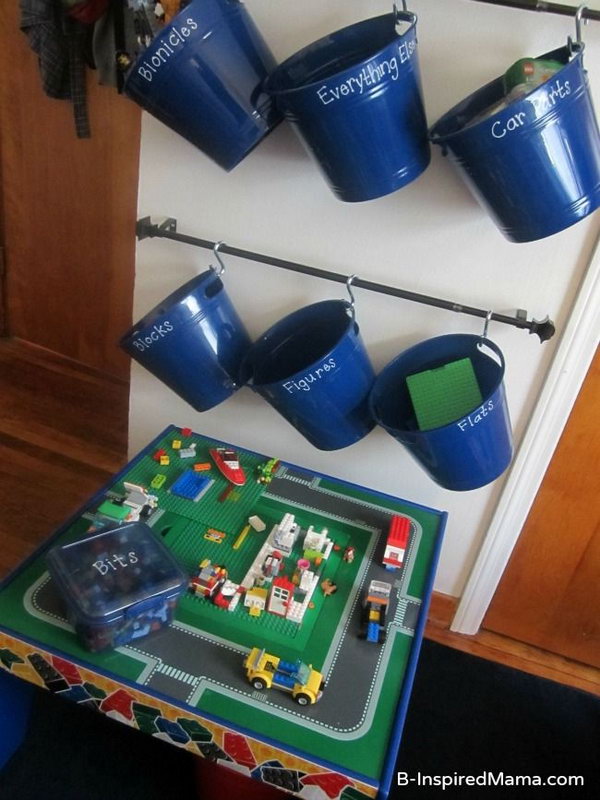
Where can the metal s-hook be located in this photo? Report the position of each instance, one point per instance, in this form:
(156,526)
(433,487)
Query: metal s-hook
(578,18)
(486,325)
(352,300)
(395,9)
(221,269)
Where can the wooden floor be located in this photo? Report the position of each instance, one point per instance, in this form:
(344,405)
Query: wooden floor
(519,655)
(63,433)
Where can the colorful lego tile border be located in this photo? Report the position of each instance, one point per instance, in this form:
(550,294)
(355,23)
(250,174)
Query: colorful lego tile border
(203,737)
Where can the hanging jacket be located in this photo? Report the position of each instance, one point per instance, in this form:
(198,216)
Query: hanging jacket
(59,43)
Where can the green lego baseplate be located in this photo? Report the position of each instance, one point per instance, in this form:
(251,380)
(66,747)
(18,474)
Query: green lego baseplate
(198,660)
(444,394)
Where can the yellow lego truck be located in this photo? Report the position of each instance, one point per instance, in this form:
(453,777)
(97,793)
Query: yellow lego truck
(264,670)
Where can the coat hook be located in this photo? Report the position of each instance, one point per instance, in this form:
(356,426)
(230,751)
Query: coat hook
(221,269)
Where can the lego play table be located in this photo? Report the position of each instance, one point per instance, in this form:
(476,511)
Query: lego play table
(186,683)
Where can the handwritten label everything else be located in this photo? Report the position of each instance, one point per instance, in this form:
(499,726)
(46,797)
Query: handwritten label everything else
(369,75)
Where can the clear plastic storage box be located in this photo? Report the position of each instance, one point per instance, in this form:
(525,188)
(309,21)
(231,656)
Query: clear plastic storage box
(118,585)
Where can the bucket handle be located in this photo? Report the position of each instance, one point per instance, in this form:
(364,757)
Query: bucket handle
(491,350)
(486,344)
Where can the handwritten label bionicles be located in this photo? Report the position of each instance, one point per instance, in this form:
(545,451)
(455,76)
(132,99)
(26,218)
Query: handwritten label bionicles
(369,75)
(167,47)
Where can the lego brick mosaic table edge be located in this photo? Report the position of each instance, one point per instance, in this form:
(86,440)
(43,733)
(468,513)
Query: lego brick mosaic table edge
(290,657)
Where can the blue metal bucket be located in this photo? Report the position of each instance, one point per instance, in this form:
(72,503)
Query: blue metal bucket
(467,453)
(202,76)
(313,368)
(534,165)
(194,342)
(354,98)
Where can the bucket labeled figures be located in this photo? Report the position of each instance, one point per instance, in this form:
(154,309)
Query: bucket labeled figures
(312,366)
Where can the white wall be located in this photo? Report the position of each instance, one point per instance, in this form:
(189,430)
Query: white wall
(430,237)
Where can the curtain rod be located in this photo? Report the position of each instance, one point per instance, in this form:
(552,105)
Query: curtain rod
(550,8)
(167,229)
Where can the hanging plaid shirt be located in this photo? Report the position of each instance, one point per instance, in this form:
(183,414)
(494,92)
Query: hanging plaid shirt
(59,43)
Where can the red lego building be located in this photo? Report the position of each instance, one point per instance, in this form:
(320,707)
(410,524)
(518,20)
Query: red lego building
(397,542)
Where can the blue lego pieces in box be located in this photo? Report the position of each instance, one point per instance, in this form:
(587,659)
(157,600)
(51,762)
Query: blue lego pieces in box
(118,585)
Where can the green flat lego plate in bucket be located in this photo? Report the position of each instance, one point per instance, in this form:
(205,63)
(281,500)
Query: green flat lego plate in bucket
(444,394)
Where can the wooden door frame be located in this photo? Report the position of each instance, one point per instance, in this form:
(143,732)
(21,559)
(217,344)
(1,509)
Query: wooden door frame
(567,372)
(3,309)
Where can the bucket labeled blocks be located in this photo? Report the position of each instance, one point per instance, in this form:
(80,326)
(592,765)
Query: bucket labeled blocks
(193,341)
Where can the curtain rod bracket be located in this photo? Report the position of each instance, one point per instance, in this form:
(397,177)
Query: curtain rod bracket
(544,328)
(145,228)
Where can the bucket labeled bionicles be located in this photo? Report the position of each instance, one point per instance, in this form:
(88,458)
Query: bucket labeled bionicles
(313,368)
(354,98)
(203,76)
(534,164)
(193,341)
(474,448)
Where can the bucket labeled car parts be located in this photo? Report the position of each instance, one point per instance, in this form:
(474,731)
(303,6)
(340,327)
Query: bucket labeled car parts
(193,341)
(354,98)
(313,368)
(472,450)
(534,164)
(202,76)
